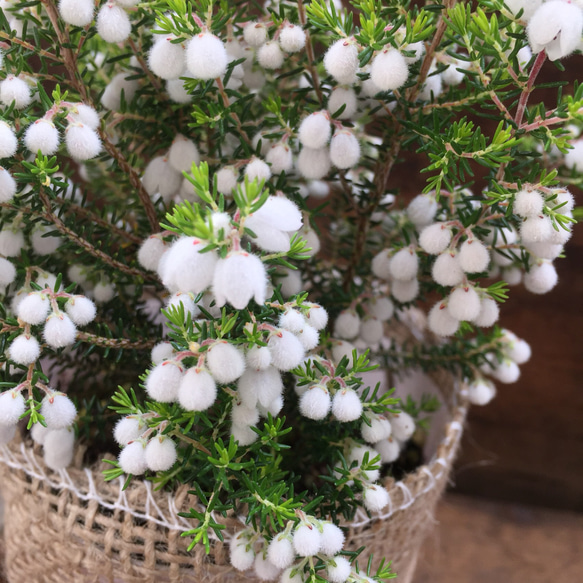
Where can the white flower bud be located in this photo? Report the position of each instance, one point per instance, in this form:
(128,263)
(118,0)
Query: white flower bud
(8,141)
(113,23)
(287,578)
(7,185)
(239,277)
(422,210)
(489,313)
(270,55)
(24,349)
(7,433)
(405,291)
(12,407)
(544,250)
(42,135)
(59,331)
(17,90)
(160,453)
(536,229)
(58,446)
(103,292)
(162,351)
(404,264)
(339,571)
(129,429)
(132,458)
(314,164)
(81,310)
(292,320)
(259,385)
(371,330)
(280,551)
(163,381)
(507,372)
(453,76)
(227,180)
(38,433)
(389,70)
(512,276)
(357,454)
(528,7)
(111,98)
(225,362)
(440,321)
(161,178)
(292,38)
(447,270)
(86,115)
(403,426)
(347,325)
(341,61)
(315,131)
(481,392)
(46,279)
(556,28)
(183,154)
(11,242)
(280,212)
(166,59)
(473,256)
(388,449)
(332,539)
(341,349)
(379,429)
(528,203)
(176,91)
(265,569)
(343,96)
(463,303)
(375,498)
(315,403)
(307,540)
(280,158)
(346,405)
(77,12)
(565,199)
(344,149)
(317,317)
(197,390)
(381,308)
(33,309)
(150,252)
(242,557)
(82,142)
(308,337)
(184,301)
(257,169)
(541,278)
(258,358)
(58,410)
(206,57)
(187,269)
(286,350)
(243,435)
(432,88)
(244,416)
(435,238)
(42,244)
(255,34)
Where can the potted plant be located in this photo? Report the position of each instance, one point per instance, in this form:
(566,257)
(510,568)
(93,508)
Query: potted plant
(208,243)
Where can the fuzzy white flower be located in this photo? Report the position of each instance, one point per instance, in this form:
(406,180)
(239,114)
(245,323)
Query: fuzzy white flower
(507,372)
(151,251)
(447,269)
(255,34)
(314,164)
(160,177)
(59,331)
(160,453)
(7,433)
(358,453)
(14,89)
(206,57)
(481,392)
(541,278)
(346,405)
(556,28)
(435,238)
(225,362)
(344,149)
(183,154)
(379,429)
(343,96)
(292,38)
(528,7)
(389,450)
(241,552)
(11,241)
(227,180)
(258,357)
(375,498)
(315,131)
(453,75)
(371,330)
(528,203)
(489,313)
(347,325)
(12,407)
(389,70)
(464,303)
(280,158)
(265,570)
(341,349)
(119,84)
(332,539)
(8,141)
(317,316)
(257,169)
(129,429)
(473,256)
(86,115)
(113,23)
(197,390)
(166,58)
(42,135)
(315,403)
(163,381)
(82,142)
(440,321)
(259,386)
(403,426)
(162,351)
(33,309)
(132,458)
(308,337)
(292,320)
(77,12)
(380,264)
(338,570)
(341,61)
(574,157)
(7,185)
(24,349)
(244,416)
(536,229)
(176,91)
(103,292)
(81,310)
(58,410)
(286,350)
(422,209)
(58,448)
(280,551)
(307,540)
(238,278)
(404,264)
(270,56)
(42,242)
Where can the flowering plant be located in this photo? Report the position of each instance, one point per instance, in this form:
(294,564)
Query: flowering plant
(204,191)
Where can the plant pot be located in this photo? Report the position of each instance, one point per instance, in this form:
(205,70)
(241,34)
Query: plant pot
(72,526)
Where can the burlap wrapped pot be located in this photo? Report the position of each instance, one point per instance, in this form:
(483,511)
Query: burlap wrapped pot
(71,526)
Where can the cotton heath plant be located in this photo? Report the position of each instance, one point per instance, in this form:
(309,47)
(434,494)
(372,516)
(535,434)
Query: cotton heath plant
(203,246)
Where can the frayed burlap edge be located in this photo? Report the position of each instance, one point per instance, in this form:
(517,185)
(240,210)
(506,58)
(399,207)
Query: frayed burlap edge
(72,526)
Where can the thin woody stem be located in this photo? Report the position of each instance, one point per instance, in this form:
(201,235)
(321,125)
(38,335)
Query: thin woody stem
(310,53)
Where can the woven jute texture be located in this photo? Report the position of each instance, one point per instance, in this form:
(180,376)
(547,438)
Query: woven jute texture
(73,527)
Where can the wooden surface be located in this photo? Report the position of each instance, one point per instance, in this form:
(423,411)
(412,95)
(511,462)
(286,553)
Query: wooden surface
(479,541)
